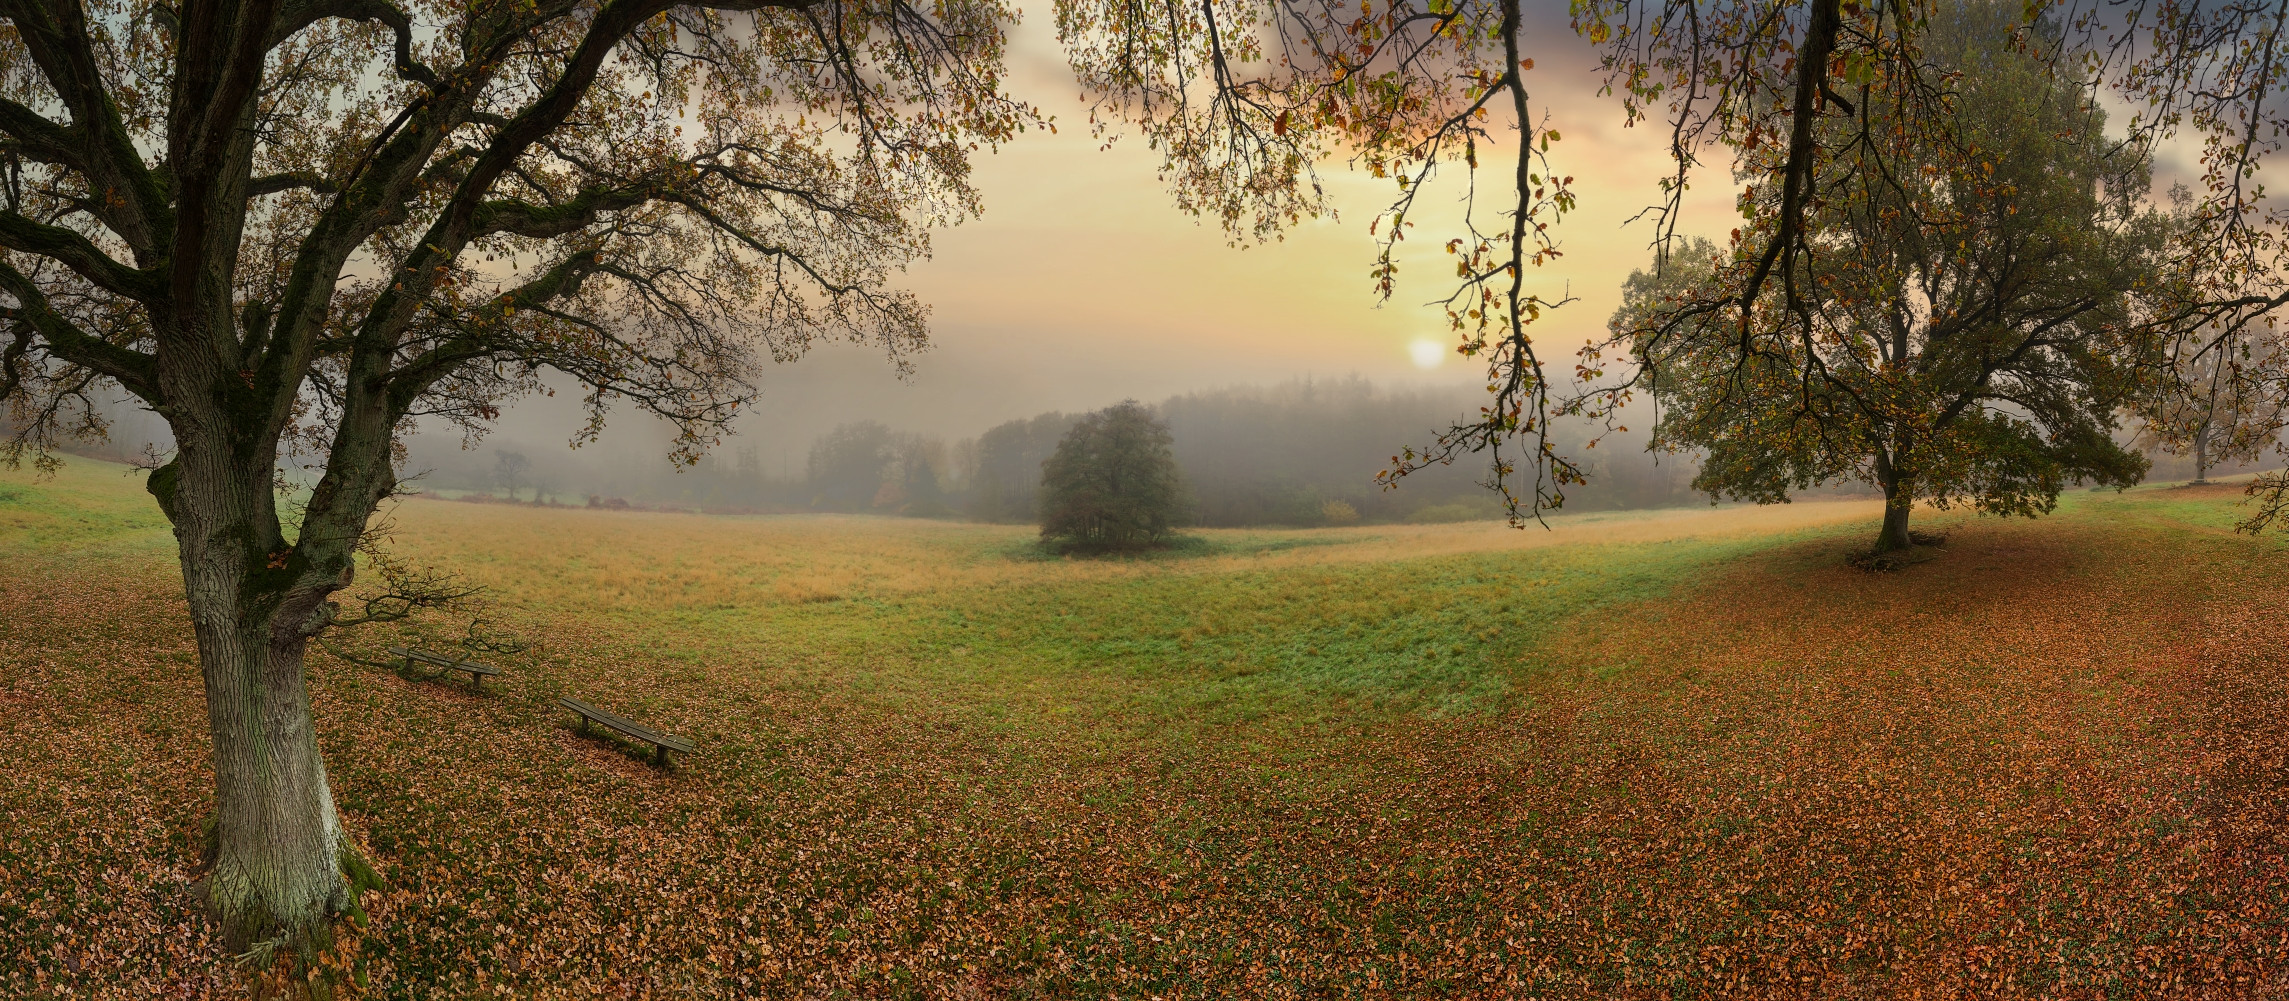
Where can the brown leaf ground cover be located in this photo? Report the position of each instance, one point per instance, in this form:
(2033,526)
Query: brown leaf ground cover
(1696,764)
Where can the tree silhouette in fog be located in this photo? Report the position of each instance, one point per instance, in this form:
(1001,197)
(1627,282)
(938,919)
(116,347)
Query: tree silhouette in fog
(847,466)
(1112,483)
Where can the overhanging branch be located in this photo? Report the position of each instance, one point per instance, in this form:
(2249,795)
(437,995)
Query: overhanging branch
(75,251)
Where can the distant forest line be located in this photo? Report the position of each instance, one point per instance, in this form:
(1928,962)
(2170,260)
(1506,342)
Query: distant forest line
(1301,453)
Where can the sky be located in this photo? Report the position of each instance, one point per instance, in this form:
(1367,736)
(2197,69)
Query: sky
(1082,284)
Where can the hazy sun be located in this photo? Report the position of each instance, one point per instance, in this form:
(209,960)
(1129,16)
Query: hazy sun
(1427,353)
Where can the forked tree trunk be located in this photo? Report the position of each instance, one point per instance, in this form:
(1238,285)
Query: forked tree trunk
(277,854)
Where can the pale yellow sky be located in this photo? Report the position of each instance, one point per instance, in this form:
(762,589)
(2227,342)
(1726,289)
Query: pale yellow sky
(1082,284)
(1082,266)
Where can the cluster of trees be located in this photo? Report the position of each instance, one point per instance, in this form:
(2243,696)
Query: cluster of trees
(868,467)
(1302,453)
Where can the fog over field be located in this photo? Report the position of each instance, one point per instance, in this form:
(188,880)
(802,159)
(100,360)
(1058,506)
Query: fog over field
(1062,299)
(1273,453)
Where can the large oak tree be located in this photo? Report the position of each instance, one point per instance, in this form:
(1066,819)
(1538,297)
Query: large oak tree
(293,227)
(1245,97)
(1769,86)
(1967,314)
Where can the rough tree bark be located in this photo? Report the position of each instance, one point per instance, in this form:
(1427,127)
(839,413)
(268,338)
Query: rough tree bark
(277,855)
(1899,502)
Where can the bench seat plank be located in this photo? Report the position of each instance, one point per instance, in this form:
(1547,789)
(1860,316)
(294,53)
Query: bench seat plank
(628,726)
(426,657)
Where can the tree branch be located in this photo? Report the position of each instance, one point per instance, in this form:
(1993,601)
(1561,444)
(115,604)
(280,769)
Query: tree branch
(297,16)
(39,139)
(131,369)
(74,250)
(56,37)
(542,222)
(271,184)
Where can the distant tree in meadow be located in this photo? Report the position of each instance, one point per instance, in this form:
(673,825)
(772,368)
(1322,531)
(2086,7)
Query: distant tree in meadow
(1112,483)
(2209,412)
(1967,332)
(510,469)
(848,464)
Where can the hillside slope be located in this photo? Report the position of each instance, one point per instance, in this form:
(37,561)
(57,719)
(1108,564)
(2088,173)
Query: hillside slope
(1653,759)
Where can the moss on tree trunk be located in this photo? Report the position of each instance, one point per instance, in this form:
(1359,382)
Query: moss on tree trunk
(276,868)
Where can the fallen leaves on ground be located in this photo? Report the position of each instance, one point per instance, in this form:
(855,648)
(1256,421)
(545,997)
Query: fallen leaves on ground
(2050,764)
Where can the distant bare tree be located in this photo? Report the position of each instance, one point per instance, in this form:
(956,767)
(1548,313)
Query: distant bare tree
(509,469)
(2211,414)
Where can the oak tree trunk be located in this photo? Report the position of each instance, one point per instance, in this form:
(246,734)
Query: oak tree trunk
(1894,535)
(277,855)
(1899,501)
(277,862)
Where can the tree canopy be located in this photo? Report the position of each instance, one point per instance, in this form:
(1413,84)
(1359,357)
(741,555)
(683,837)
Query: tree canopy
(1966,320)
(1112,483)
(294,228)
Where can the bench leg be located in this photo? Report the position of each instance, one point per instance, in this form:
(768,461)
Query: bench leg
(660,755)
(476,681)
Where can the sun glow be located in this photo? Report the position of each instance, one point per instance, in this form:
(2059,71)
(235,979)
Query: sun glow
(1427,353)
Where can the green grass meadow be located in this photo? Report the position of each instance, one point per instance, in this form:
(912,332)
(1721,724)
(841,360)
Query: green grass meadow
(1686,754)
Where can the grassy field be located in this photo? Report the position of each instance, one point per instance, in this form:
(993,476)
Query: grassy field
(1672,755)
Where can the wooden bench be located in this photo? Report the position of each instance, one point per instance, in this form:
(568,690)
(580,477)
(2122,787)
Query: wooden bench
(661,743)
(476,671)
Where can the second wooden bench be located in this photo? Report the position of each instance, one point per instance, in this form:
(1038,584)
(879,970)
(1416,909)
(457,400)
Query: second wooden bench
(661,743)
(477,672)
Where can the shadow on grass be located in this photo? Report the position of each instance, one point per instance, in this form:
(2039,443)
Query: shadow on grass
(1180,547)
